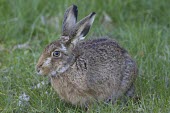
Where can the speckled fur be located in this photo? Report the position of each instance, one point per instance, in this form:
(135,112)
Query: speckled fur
(102,69)
(96,70)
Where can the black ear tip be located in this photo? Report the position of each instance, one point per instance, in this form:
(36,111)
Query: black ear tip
(74,6)
(92,14)
(75,11)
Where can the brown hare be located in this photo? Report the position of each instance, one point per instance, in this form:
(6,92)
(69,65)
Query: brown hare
(83,72)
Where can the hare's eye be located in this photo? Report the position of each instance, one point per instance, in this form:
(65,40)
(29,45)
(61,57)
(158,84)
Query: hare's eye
(56,54)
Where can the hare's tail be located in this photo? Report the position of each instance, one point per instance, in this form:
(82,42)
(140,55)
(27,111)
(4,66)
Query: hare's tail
(129,74)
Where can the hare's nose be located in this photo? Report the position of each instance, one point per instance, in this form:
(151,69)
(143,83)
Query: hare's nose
(38,68)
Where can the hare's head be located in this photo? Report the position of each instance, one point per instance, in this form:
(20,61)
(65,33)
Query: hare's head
(58,56)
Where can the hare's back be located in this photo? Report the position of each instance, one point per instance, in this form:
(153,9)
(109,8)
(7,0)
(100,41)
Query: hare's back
(103,59)
(101,50)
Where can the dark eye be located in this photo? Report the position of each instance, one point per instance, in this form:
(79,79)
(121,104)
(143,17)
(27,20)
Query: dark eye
(56,53)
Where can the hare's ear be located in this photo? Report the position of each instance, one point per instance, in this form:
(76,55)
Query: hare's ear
(70,19)
(82,28)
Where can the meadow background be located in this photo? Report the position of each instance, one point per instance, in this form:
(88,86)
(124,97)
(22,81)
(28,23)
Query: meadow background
(27,26)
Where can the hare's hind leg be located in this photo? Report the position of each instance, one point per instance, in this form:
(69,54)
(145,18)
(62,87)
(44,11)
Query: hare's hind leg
(130,92)
(121,97)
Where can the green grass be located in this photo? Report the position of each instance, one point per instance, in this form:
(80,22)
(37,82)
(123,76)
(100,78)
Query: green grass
(140,26)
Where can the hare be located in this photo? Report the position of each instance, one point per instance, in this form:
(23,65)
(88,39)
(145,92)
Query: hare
(83,72)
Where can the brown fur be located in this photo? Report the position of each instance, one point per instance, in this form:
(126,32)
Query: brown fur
(88,71)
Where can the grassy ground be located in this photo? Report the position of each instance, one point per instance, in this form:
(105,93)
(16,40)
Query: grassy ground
(27,26)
